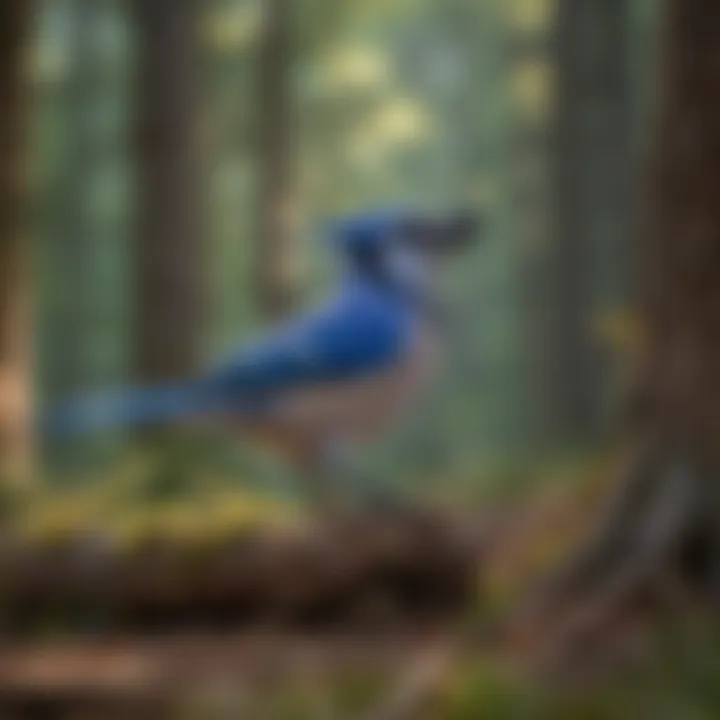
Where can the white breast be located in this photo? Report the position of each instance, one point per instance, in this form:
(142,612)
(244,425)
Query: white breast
(360,409)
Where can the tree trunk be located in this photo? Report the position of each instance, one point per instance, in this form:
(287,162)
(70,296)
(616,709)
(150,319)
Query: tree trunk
(574,366)
(276,257)
(15,20)
(533,222)
(575,251)
(74,252)
(592,186)
(70,314)
(168,252)
(664,522)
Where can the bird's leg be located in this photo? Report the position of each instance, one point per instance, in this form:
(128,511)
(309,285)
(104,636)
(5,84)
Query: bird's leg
(319,470)
(350,488)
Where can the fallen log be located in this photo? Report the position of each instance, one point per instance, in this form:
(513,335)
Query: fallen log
(359,569)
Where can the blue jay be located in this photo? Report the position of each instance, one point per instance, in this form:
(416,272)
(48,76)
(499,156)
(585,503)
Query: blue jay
(321,383)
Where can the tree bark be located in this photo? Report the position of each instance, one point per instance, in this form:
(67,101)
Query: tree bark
(168,249)
(276,258)
(577,245)
(15,22)
(682,243)
(664,522)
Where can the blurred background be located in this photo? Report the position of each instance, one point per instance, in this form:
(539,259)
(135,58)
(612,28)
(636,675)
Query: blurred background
(183,160)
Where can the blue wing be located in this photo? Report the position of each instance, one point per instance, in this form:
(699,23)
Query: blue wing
(358,333)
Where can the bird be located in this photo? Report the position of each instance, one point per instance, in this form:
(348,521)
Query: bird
(329,380)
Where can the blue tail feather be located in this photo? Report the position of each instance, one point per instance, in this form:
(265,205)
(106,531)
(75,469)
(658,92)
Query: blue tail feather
(126,408)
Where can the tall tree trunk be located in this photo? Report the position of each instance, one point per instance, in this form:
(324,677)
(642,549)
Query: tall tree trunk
(582,247)
(574,363)
(15,21)
(66,366)
(168,250)
(276,257)
(75,249)
(591,182)
(532,194)
(665,519)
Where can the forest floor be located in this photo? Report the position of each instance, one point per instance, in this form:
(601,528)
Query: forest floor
(381,664)
(267,670)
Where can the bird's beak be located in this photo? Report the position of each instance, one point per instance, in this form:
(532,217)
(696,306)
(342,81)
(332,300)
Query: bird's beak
(442,235)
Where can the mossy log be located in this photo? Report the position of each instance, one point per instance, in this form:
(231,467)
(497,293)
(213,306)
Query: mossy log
(345,570)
